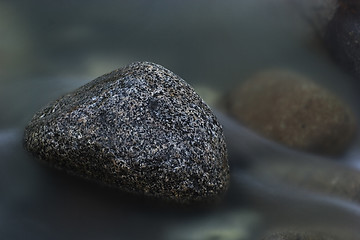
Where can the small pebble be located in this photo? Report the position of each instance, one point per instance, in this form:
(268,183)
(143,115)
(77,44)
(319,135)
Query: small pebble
(290,109)
(142,129)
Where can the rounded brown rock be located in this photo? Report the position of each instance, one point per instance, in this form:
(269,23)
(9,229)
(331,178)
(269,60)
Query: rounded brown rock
(290,109)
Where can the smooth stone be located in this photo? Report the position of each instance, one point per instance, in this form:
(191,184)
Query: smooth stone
(142,129)
(290,109)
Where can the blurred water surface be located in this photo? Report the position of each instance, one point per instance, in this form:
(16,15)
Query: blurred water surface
(48,48)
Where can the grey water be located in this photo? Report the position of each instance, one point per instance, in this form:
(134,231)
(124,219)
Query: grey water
(297,206)
(49,48)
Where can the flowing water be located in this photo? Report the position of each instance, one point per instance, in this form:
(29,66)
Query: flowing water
(49,48)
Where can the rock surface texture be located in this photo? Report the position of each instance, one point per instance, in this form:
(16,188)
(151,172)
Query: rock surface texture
(142,129)
(290,109)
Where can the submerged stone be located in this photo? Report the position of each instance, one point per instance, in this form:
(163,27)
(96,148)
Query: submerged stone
(290,109)
(142,129)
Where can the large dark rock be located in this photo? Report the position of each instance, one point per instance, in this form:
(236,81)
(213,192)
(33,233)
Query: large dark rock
(142,129)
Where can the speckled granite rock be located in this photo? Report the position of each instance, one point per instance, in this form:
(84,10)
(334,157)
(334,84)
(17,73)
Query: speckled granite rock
(142,129)
(290,109)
